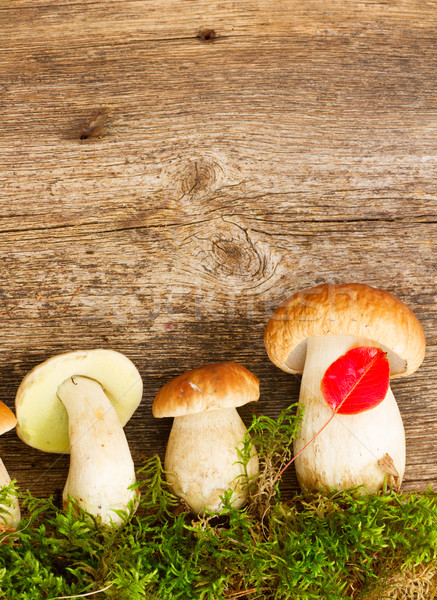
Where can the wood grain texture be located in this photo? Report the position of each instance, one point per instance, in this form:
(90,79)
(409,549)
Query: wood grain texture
(297,147)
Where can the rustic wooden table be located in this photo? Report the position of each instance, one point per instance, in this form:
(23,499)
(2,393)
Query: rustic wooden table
(171,171)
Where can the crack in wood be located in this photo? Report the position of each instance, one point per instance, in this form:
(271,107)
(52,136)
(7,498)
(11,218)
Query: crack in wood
(382,221)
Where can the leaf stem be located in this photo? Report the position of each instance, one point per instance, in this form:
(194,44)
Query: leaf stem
(302,449)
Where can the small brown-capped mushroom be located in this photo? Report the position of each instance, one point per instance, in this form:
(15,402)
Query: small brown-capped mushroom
(78,402)
(10,515)
(202,460)
(306,334)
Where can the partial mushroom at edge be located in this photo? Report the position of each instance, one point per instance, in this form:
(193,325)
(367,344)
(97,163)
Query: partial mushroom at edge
(10,515)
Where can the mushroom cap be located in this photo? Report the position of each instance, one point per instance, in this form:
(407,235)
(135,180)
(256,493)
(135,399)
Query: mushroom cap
(7,419)
(353,309)
(42,418)
(213,386)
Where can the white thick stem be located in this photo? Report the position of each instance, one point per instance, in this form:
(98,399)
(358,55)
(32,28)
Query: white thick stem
(202,460)
(101,466)
(350,451)
(10,516)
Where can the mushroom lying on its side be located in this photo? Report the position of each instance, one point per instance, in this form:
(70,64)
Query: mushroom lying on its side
(78,403)
(306,334)
(10,515)
(202,460)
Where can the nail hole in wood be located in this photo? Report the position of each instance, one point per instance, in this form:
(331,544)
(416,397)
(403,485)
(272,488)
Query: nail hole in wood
(96,126)
(207,35)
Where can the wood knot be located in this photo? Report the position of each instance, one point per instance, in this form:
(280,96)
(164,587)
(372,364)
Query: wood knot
(201,176)
(225,251)
(231,257)
(207,35)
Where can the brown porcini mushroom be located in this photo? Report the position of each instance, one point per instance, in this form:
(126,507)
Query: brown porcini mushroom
(202,460)
(306,334)
(9,514)
(78,403)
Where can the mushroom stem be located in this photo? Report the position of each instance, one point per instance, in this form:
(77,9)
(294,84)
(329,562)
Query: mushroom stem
(10,515)
(202,460)
(101,466)
(349,451)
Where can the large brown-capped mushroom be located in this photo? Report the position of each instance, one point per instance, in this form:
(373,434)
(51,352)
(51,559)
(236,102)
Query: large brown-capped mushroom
(202,460)
(79,402)
(10,515)
(307,333)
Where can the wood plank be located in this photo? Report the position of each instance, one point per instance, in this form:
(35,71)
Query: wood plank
(170,146)
(91,22)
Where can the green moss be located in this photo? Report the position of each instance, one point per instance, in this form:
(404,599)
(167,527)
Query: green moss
(338,546)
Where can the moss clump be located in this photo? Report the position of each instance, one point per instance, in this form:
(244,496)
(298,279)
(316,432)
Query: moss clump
(341,546)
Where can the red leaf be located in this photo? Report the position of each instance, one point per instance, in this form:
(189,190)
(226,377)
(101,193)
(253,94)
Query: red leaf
(357,381)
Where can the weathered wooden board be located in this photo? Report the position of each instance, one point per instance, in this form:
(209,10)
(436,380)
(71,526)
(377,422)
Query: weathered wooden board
(298,146)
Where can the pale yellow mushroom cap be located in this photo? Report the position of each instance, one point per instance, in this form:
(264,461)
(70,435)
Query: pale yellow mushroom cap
(42,418)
